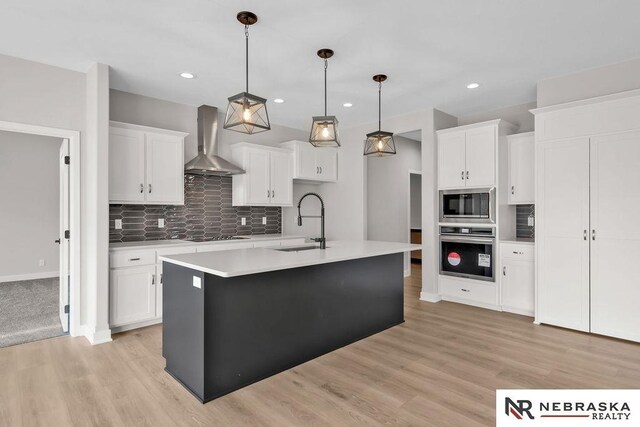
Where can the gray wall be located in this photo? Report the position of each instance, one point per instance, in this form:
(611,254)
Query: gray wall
(415,198)
(146,111)
(519,115)
(388,191)
(30,204)
(589,83)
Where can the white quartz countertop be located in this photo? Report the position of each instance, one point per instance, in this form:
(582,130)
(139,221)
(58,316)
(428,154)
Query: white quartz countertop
(239,262)
(154,244)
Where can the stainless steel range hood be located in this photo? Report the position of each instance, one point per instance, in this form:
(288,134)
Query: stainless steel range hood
(207,162)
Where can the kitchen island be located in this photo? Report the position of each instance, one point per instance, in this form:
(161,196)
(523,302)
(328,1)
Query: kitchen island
(234,317)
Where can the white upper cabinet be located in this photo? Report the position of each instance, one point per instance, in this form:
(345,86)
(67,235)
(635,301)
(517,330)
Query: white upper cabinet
(126,166)
(451,160)
(521,168)
(311,164)
(467,155)
(268,177)
(146,165)
(480,146)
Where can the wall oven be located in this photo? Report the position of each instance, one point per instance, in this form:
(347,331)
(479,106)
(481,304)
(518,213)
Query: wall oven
(468,252)
(468,205)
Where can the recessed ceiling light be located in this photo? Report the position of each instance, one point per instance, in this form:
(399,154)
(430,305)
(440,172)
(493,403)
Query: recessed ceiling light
(187,75)
(278,100)
(473,86)
(347,104)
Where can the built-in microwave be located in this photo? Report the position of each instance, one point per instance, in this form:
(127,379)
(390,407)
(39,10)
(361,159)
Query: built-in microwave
(468,205)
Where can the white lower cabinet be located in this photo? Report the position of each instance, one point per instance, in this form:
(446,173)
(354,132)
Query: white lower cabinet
(467,291)
(517,278)
(132,295)
(136,280)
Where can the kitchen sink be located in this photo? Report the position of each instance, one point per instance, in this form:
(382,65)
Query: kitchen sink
(297,248)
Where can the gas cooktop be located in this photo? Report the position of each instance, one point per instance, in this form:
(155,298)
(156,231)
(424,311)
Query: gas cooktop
(215,238)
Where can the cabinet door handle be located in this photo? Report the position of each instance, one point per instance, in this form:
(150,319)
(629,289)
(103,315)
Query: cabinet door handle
(467,174)
(273,194)
(149,188)
(160,278)
(320,170)
(462,175)
(513,190)
(584,234)
(268,194)
(153,279)
(593,234)
(317,170)
(504,270)
(141,188)
(465,290)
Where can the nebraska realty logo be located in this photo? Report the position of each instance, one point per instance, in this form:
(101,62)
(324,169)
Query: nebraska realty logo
(567,407)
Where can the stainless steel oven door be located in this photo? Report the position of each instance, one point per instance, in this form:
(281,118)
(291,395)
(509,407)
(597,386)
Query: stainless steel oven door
(469,257)
(475,206)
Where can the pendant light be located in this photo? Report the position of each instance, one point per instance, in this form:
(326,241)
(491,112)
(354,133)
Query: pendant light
(247,113)
(324,129)
(379,142)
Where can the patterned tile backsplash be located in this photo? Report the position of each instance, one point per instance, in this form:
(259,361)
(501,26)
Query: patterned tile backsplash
(207,213)
(522,215)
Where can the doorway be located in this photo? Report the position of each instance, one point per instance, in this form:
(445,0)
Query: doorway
(39,266)
(415,214)
(388,192)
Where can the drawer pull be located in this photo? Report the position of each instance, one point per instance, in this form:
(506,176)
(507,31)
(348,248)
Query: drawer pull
(518,252)
(465,290)
(134,259)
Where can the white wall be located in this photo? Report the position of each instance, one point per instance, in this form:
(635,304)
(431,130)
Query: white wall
(589,83)
(30,194)
(415,198)
(519,115)
(388,191)
(146,111)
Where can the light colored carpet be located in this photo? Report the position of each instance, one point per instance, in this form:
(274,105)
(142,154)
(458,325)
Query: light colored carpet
(29,311)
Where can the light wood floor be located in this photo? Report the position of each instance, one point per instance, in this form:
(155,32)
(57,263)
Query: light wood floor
(439,368)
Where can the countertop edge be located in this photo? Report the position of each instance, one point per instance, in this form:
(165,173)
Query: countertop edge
(179,243)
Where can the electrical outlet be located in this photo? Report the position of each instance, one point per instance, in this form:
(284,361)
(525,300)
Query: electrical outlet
(118,224)
(160,222)
(243,221)
(197,282)
(530,220)
(264,220)
(41,263)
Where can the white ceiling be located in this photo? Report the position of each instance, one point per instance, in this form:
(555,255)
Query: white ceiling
(429,48)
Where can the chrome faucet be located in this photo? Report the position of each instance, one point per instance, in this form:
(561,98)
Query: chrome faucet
(321,239)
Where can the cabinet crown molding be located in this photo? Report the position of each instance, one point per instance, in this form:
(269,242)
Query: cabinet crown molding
(510,127)
(131,126)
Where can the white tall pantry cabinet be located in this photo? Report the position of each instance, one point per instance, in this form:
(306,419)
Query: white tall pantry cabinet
(587,205)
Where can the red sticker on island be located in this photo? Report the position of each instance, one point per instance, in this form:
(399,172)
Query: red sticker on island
(453,258)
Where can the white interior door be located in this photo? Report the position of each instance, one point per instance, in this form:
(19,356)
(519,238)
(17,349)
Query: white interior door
(480,161)
(562,224)
(64,243)
(615,237)
(451,162)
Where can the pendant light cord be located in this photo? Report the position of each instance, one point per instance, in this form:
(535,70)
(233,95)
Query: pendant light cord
(379,106)
(326,65)
(246,56)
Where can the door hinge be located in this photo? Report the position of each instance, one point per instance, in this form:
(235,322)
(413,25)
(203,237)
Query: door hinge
(67,234)
(67,160)
(66,309)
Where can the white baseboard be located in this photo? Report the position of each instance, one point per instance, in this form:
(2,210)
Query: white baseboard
(430,297)
(123,328)
(31,276)
(97,337)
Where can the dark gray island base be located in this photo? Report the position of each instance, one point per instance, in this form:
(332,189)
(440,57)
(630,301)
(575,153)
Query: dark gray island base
(235,331)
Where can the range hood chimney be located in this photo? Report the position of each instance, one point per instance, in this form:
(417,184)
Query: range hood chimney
(207,162)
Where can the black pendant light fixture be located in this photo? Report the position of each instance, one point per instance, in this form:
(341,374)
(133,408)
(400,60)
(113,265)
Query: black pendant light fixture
(247,113)
(379,142)
(324,129)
